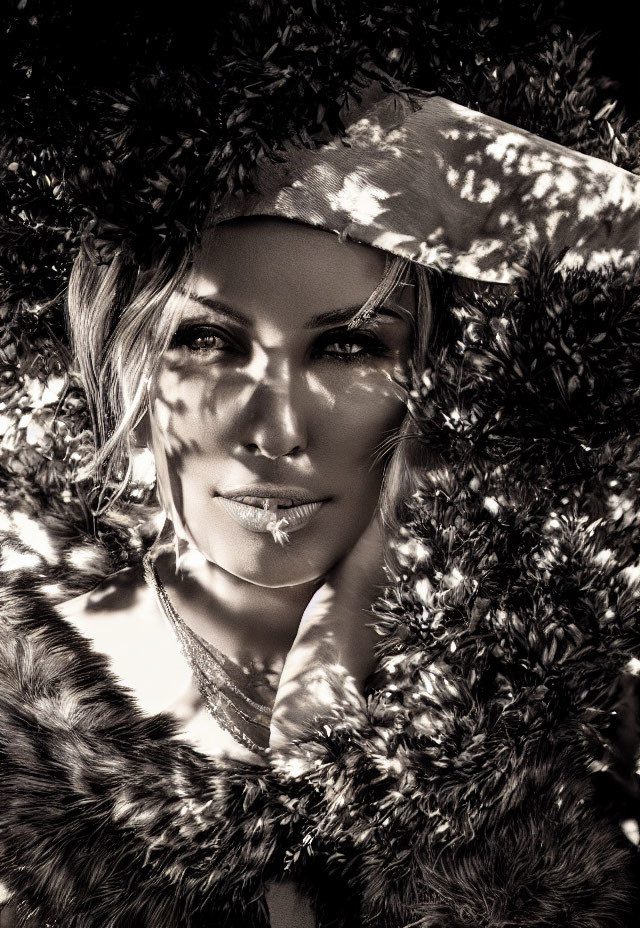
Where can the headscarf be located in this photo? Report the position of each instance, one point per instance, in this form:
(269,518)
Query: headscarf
(448,187)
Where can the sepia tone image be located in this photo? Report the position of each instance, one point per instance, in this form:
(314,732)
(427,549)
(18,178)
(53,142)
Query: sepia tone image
(319,465)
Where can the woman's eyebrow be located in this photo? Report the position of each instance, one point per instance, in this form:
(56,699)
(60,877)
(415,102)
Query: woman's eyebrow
(219,307)
(338,316)
(332,317)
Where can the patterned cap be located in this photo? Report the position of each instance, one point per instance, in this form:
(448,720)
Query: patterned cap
(448,187)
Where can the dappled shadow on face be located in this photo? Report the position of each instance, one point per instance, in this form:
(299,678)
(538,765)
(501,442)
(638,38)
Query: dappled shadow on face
(168,405)
(365,382)
(213,420)
(221,402)
(451,188)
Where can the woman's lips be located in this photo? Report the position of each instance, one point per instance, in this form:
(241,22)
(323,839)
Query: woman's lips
(263,502)
(257,519)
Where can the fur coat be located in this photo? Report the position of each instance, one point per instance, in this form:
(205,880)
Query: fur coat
(491,781)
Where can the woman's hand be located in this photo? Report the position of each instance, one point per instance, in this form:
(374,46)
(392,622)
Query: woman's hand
(333,651)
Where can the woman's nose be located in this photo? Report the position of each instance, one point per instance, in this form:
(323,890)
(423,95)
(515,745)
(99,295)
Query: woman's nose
(273,422)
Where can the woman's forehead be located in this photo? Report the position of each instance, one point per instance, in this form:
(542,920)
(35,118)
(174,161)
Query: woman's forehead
(262,259)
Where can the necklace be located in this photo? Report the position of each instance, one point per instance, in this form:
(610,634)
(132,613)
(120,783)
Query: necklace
(214,674)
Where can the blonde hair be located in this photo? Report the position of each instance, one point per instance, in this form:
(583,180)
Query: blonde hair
(121,320)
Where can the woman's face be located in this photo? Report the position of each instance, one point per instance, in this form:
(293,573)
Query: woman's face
(264,388)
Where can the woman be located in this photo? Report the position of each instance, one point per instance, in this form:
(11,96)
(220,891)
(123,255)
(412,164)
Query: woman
(286,405)
(233,368)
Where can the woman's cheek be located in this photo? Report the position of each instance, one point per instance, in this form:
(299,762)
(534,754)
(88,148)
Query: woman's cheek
(365,420)
(182,404)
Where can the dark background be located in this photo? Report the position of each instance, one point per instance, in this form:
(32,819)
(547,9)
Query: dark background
(618,52)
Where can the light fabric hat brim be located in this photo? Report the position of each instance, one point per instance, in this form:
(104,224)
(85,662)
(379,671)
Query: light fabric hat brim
(449,187)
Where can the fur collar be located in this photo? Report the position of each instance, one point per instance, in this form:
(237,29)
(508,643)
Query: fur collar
(117,821)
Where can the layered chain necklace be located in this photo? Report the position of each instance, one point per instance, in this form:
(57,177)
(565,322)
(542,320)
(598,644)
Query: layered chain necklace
(217,676)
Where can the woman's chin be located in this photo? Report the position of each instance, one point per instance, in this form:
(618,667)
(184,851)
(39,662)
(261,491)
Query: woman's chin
(261,560)
(274,575)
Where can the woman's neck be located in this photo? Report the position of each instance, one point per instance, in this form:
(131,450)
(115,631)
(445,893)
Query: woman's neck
(246,621)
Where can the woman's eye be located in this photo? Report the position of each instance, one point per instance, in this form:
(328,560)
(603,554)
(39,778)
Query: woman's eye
(199,340)
(352,347)
(203,341)
(345,351)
